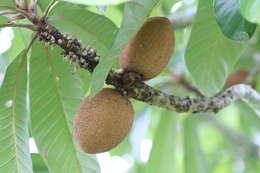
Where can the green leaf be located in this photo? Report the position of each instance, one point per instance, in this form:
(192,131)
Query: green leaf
(91,28)
(210,56)
(3,20)
(43,4)
(193,156)
(55,94)
(97,2)
(14,133)
(20,41)
(134,16)
(38,164)
(167,5)
(3,64)
(250,9)
(7,3)
(162,157)
(248,118)
(231,22)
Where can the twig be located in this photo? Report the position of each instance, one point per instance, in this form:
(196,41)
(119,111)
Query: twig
(7,13)
(22,12)
(15,18)
(131,85)
(27,26)
(185,84)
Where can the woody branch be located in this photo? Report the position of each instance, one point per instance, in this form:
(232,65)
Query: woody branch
(131,84)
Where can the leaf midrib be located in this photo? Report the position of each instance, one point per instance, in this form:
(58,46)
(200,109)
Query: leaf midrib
(17,78)
(60,101)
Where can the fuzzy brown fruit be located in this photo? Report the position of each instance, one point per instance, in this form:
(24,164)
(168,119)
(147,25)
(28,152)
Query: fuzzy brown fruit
(149,51)
(103,121)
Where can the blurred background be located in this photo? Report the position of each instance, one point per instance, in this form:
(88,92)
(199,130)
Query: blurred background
(166,142)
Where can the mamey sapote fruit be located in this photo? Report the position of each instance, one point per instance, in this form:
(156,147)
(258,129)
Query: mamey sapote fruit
(149,51)
(103,121)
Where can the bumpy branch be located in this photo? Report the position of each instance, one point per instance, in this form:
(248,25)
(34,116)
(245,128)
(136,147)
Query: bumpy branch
(131,85)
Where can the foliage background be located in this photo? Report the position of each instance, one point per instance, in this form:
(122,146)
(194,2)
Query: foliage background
(42,92)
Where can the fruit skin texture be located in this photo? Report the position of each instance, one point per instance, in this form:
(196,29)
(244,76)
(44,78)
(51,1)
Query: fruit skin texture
(150,50)
(103,121)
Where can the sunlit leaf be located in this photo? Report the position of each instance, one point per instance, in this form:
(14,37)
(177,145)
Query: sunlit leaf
(250,10)
(91,28)
(55,94)
(7,3)
(210,56)
(14,133)
(231,21)
(20,41)
(43,4)
(97,2)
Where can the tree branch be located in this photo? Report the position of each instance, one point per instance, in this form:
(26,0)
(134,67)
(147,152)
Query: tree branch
(131,85)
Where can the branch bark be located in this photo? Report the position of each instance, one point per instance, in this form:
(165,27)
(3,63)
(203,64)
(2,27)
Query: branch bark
(131,84)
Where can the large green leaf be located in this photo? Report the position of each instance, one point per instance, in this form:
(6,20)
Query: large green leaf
(210,56)
(97,2)
(38,164)
(250,9)
(14,133)
(231,22)
(194,160)
(91,28)
(3,64)
(3,20)
(7,3)
(134,16)
(162,157)
(55,94)
(43,4)
(20,41)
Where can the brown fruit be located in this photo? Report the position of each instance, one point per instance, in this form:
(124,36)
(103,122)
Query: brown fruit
(236,78)
(103,121)
(149,51)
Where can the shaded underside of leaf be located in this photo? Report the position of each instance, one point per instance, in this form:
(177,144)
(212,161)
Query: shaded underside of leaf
(210,56)
(55,94)
(231,22)
(38,164)
(14,133)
